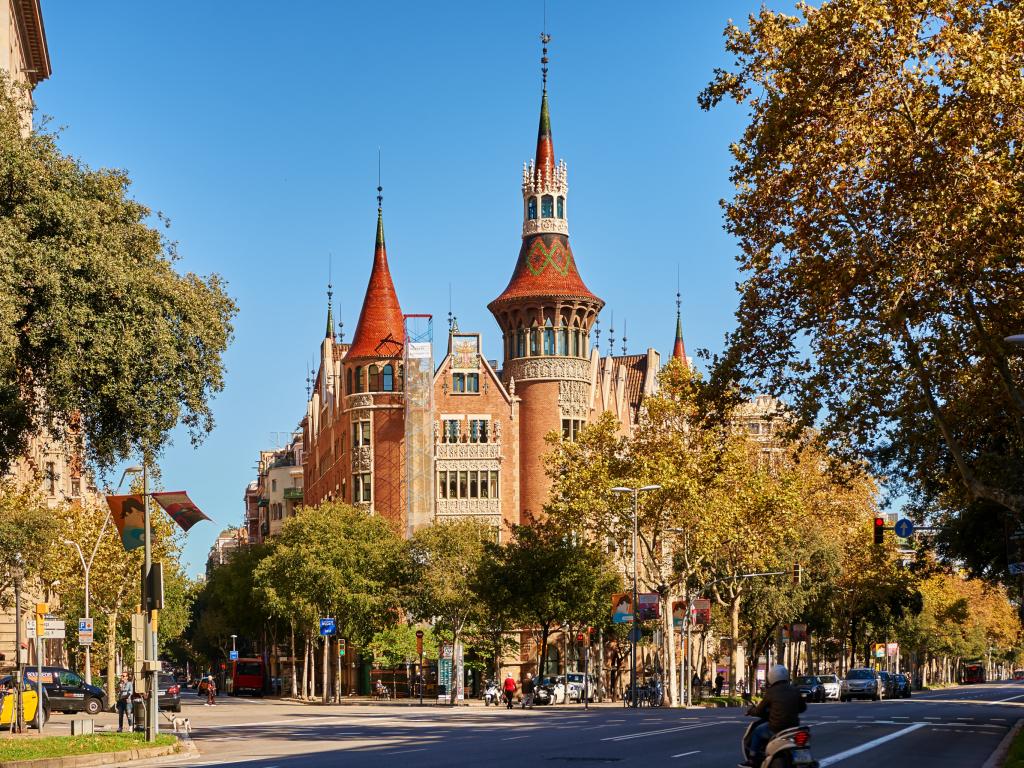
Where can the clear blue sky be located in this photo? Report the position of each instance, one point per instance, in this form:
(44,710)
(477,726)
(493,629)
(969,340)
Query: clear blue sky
(255,125)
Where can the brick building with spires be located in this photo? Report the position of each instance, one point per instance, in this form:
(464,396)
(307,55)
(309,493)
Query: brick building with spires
(467,437)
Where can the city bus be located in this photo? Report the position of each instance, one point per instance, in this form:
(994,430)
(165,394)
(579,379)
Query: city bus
(972,673)
(248,675)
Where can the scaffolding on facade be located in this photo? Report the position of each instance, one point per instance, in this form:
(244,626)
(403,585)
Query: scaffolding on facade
(419,421)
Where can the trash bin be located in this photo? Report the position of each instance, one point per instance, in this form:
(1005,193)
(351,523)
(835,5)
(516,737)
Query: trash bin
(139,713)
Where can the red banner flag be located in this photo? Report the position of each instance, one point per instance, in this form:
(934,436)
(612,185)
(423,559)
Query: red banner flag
(179,506)
(129,517)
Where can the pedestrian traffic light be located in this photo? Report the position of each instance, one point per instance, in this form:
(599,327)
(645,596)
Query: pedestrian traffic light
(798,573)
(879,529)
(341,646)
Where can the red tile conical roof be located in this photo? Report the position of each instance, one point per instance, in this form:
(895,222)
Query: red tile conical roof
(546,268)
(380,331)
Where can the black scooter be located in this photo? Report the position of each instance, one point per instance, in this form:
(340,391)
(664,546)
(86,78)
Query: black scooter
(787,749)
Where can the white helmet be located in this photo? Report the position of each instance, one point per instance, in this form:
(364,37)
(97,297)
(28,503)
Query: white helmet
(777,674)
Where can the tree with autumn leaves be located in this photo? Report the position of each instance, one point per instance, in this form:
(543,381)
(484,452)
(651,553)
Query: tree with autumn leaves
(879,213)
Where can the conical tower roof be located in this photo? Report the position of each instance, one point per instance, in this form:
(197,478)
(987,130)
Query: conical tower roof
(380,331)
(679,349)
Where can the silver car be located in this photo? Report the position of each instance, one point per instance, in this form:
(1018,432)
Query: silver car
(832,686)
(861,683)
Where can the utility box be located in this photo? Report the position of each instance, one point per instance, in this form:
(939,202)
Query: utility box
(83,726)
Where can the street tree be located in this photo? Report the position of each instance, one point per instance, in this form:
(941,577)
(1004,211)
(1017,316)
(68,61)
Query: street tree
(102,340)
(878,209)
(26,533)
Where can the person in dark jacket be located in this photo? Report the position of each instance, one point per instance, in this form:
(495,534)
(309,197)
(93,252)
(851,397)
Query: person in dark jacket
(780,707)
(719,682)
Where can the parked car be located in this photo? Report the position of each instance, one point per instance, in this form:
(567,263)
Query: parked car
(831,685)
(810,687)
(576,685)
(29,698)
(861,683)
(902,686)
(68,692)
(168,691)
(888,687)
(1018,674)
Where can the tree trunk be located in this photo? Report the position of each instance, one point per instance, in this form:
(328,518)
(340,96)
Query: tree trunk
(337,671)
(293,688)
(670,695)
(111,658)
(325,690)
(734,642)
(305,666)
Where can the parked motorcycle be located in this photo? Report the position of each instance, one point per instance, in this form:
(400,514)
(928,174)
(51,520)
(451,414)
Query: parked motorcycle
(543,693)
(492,693)
(787,749)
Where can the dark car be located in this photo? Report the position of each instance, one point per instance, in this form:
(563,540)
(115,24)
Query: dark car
(68,692)
(902,687)
(888,688)
(862,683)
(168,691)
(810,686)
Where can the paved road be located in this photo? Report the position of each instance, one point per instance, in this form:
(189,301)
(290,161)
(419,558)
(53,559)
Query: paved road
(956,728)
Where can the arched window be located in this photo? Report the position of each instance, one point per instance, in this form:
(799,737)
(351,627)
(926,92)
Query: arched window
(520,343)
(531,208)
(549,338)
(359,378)
(576,342)
(535,342)
(387,381)
(547,207)
(563,341)
(348,382)
(561,207)
(374,379)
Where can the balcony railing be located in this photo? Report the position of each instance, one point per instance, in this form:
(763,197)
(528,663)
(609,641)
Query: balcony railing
(293,494)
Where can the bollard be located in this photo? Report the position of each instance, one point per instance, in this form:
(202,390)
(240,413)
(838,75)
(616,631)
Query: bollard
(138,713)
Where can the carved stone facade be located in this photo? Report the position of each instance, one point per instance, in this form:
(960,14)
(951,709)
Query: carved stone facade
(445,451)
(524,369)
(574,399)
(362,459)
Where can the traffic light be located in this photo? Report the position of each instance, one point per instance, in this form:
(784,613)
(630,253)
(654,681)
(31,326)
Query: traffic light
(798,573)
(879,529)
(341,646)
(41,610)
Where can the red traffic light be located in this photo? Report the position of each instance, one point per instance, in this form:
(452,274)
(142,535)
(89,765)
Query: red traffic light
(879,529)
(580,637)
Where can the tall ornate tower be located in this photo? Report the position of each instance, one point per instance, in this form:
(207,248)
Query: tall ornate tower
(545,314)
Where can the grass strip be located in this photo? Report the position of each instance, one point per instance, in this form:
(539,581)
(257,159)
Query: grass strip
(31,748)
(1015,757)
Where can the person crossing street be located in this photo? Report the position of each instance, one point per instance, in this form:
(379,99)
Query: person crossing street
(509,689)
(528,688)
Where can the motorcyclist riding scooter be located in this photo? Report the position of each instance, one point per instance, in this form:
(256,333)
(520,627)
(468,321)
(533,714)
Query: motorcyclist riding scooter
(777,738)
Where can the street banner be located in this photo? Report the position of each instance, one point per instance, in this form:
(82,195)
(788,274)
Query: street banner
(678,613)
(702,612)
(180,507)
(799,633)
(649,606)
(892,649)
(130,519)
(879,650)
(622,608)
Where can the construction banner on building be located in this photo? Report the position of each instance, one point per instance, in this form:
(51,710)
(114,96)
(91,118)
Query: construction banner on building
(130,518)
(179,506)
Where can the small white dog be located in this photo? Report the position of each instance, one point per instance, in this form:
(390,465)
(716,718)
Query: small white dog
(182,725)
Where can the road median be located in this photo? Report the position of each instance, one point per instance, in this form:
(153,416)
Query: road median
(83,751)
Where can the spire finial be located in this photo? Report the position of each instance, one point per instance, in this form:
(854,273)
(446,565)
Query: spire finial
(330,297)
(545,38)
(380,189)
(679,297)
(678,348)
(309,381)
(611,335)
(597,335)
(623,336)
(452,324)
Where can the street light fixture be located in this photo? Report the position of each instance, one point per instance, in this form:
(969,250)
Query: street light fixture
(633,632)
(1017,341)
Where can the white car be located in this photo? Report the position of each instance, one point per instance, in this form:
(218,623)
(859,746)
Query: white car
(831,684)
(576,680)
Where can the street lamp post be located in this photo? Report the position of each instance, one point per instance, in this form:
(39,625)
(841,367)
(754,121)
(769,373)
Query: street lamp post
(635,628)
(86,568)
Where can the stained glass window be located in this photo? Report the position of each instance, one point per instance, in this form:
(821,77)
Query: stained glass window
(547,207)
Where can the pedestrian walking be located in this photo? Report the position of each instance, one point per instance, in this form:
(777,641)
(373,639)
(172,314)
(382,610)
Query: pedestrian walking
(125,689)
(528,688)
(211,692)
(719,682)
(696,684)
(509,689)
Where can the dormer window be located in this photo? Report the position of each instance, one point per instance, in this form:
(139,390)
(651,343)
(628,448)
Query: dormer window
(547,207)
(561,207)
(531,208)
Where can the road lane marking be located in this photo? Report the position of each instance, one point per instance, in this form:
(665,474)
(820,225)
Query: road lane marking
(628,736)
(406,751)
(833,759)
(1011,698)
(513,738)
(687,754)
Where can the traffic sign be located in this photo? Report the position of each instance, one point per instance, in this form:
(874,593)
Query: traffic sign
(53,628)
(85,634)
(327,626)
(904,528)
(232,655)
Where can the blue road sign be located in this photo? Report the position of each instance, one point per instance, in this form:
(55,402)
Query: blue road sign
(327,626)
(904,528)
(233,655)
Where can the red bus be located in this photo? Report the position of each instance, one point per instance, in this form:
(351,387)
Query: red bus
(972,673)
(247,675)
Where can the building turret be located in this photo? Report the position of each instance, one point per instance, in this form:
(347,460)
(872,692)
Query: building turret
(545,314)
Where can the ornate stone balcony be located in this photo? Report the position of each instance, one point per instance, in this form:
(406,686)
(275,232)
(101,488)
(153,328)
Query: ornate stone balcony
(467,451)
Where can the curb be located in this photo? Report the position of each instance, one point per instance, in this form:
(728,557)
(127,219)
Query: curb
(998,756)
(97,758)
